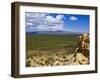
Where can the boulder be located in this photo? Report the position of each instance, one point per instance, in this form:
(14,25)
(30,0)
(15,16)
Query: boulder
(82,59)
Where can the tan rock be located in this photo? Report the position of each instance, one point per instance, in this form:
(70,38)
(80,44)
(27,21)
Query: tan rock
(83,45)
(82,59)
(76,63)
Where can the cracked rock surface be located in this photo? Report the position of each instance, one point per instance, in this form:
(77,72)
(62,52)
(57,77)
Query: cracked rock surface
(57,60)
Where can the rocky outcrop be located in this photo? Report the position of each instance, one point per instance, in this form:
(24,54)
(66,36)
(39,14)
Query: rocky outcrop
(82,50)
(83,45)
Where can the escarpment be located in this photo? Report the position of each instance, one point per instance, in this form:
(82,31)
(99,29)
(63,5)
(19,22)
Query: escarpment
(79,56)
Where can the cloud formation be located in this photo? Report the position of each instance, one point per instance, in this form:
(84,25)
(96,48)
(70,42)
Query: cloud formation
(44,22)
(73,18)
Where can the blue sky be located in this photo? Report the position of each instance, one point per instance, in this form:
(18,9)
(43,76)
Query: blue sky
(56,22)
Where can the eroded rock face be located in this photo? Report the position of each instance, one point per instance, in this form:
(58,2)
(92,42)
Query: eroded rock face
(80,56)
(83,45)
(82,59)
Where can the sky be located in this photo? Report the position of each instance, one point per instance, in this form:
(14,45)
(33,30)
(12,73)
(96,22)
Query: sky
(56,22)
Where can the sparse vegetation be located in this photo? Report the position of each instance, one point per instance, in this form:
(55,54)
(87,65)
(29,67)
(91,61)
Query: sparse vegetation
(51,42)
(50,50)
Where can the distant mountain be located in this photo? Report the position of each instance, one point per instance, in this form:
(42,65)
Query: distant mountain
(54,32)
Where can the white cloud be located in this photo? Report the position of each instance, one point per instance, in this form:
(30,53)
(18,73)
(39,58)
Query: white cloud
(29,23)
(73,18)
(34,15)
(43,22)
(59,17)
